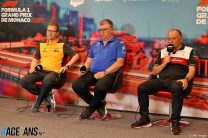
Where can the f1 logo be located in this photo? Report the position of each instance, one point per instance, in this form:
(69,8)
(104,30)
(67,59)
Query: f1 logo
(202,3)
(9,4)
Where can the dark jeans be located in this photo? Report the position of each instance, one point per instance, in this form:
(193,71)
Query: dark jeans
(102,86)
(48,78)
(154,85)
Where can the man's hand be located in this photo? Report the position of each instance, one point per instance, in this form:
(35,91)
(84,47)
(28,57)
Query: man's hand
(81,73)
(167,59)
(63,69)
(31,70)
(184,83)
(99,75)
(158,68)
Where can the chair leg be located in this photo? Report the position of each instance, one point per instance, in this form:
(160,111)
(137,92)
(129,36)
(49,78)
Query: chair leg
(167,122)
(184,123)
(162,122)
(109,116)
(47,108)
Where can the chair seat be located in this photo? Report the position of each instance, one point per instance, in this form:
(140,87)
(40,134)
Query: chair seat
(38,83)
(92,88)
(164,94)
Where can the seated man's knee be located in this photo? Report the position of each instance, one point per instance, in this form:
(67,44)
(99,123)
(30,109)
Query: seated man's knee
(177,88)
(101,88)
(141,88)
(24,82)
(49,84)
(77,85)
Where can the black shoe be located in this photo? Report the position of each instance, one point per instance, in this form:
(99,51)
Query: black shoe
(175,127)
(102,109)
(87,113)
(143,122)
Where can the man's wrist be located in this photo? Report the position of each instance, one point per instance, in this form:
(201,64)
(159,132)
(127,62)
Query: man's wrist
(105,72)
(67,66)
(187,79)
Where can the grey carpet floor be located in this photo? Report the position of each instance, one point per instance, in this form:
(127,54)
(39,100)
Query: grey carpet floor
(50,125)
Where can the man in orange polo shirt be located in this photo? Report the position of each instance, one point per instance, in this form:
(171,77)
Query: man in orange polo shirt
(50,56)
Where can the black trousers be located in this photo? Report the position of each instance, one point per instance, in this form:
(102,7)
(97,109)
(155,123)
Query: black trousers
(154,85)
(49,80)
(102,86)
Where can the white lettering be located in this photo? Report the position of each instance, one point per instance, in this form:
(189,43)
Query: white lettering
(19,20)
(13,15)
(201,15)
(201,21)
(3,19)
(28,9)
(25,14)
(201,9)
(3,14)
(13,10)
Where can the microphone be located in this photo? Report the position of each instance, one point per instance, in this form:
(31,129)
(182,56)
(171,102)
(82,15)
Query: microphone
(169,48)
(58,77)
(39,68)
(83,69)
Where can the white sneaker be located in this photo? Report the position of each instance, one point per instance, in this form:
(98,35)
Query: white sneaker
(51,100)
(35,106)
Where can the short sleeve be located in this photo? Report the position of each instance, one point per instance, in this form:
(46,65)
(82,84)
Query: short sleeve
(68,50)
(37,53)
(192,58)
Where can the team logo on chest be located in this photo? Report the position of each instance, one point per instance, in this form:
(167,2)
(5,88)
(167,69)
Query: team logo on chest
(56,50)
(44,49)
(112,44)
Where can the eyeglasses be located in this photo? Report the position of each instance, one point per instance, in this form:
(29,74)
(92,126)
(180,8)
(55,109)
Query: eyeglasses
(171,38)
(51,31)
(103,30)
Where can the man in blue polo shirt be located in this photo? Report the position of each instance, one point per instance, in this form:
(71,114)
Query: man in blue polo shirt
(105,58)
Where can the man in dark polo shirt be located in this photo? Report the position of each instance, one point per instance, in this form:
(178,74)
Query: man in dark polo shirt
(105,58)
(175,71)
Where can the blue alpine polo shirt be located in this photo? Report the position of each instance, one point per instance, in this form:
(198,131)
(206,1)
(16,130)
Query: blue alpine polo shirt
(104,56)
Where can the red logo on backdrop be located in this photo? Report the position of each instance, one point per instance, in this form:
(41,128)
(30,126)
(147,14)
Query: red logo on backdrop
(9,4)
(202,3)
